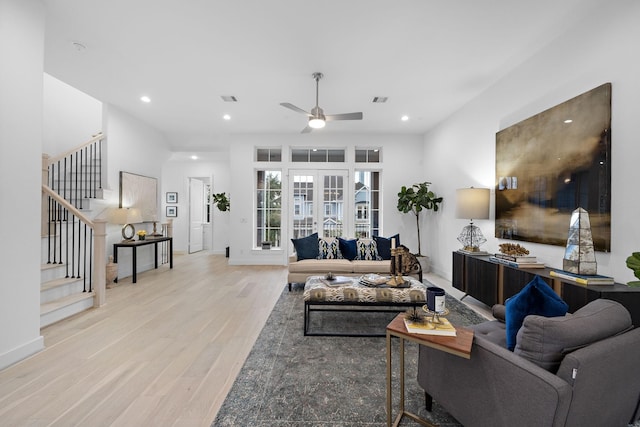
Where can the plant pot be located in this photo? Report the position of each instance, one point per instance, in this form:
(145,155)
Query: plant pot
(141,237)
(425,263)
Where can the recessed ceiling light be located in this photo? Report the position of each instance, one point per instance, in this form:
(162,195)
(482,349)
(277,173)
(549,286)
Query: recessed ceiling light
(145,99)
(194,157)
(404,118)
(568,121)
(226,117)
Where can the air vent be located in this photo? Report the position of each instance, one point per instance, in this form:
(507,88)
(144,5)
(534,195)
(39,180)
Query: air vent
(229,98)
(379,99)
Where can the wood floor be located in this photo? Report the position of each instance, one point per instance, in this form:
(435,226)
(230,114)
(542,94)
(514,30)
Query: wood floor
(162,352)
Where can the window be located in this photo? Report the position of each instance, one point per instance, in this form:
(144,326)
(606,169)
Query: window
(371,155)
(367,203)
(268,207)
(268,154)
(318,155)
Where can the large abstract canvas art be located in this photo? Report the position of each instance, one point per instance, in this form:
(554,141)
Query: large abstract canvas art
(553,163)
(138,191)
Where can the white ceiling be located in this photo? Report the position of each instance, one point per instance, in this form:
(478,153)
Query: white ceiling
(429,57)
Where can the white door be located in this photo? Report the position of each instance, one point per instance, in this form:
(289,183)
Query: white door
(196,214)
(318,203)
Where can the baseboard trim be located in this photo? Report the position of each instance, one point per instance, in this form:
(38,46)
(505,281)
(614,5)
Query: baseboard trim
(20,353)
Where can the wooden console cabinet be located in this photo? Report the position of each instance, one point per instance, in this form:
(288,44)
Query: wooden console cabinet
(492,283)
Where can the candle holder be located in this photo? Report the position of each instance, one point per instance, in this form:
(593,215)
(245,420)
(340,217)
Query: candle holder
(396,267)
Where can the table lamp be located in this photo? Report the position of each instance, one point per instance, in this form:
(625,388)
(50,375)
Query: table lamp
(472,203)
(127,217)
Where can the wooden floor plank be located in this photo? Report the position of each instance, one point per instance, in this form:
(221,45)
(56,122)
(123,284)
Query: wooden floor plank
(163,351)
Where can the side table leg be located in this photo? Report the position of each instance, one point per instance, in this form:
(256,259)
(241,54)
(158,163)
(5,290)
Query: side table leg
(389,403)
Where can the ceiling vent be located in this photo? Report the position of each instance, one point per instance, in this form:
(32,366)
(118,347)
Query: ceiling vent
(229,98)
(379,99)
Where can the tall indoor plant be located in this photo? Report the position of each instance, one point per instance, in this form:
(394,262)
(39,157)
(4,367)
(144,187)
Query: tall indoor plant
(223,203)
(416,198)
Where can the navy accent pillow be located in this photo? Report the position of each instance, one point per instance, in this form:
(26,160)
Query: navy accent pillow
(384,245)
(307,247)
(536,298)
(348,248)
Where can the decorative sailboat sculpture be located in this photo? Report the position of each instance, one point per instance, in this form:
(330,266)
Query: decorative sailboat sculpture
(580,256)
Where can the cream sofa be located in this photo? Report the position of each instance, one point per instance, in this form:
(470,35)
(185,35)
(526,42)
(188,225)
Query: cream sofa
(300,270)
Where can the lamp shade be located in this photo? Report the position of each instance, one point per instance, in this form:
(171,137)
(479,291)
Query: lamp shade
(472,203)
(126,216)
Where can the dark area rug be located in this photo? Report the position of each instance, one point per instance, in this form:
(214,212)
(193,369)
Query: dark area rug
(292,380)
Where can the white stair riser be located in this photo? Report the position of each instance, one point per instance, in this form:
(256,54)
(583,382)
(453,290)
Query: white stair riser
(67,311)
(61,291)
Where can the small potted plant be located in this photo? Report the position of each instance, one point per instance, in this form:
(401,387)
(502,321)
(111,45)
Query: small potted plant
(142,234)
(415,199)
(223,203)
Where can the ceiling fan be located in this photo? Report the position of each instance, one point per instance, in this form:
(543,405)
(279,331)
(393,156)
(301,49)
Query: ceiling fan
(317,118)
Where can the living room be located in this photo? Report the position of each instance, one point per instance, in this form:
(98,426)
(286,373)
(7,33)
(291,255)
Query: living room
(459,152)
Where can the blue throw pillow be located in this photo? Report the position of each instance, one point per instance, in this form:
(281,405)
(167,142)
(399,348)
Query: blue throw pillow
(306,247)
(536,298)
(384,245)
(348,248)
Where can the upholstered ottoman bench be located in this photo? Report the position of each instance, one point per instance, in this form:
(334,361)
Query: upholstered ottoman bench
(354,296)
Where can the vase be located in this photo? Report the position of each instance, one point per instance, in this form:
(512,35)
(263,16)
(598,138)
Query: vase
(112,271)
(141,237)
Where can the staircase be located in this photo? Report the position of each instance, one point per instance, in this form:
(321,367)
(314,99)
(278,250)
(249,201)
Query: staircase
(73,244)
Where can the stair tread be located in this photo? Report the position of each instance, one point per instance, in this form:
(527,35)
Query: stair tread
(63,302)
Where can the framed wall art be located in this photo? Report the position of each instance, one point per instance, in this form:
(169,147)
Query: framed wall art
(139,191)
(552,163)
(172,197)
(172,211)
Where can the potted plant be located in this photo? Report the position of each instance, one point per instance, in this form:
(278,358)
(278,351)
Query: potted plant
(223,203)
(414,199)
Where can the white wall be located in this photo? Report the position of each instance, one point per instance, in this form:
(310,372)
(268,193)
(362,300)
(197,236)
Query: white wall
(70,117)
(175,178)
(132,146)
(22,53)
(462,149)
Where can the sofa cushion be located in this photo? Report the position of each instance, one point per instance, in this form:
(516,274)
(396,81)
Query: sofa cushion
(367,250)
(384,245)
(328,248)
(348,248)
(545,340)
(306,247)
(380,267)
(535,298)
(321,267)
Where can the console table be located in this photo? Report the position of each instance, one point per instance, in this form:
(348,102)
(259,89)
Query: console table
(492,283)
(134,244)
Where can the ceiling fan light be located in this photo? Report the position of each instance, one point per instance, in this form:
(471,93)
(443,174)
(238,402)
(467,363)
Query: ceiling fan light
(316,123)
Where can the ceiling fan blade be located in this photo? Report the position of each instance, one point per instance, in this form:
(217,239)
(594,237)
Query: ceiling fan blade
(344,116)
(307,129)
(294,108)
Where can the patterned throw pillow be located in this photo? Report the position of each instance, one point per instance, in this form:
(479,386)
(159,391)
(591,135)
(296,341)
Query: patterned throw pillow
(368,250)
(328,249)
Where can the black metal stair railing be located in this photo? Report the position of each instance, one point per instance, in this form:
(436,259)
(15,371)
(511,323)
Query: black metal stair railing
(70,179)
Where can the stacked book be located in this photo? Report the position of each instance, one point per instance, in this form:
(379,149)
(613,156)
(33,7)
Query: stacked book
(583,279)
(517,261)
(443,328)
